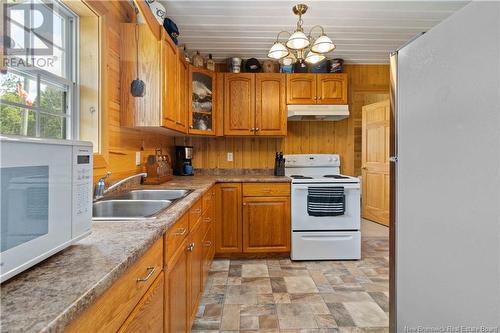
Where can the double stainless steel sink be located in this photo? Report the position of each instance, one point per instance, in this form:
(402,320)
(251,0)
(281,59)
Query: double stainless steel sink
(136,204)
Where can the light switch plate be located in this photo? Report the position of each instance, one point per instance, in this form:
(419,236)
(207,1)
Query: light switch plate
(137,158)
(230,156)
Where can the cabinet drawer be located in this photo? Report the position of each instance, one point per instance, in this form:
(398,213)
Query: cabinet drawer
(266,189)
(148,314)
(174,237)
(111,310)
(195,214)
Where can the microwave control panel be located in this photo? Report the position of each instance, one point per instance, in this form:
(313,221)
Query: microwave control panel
(82,189)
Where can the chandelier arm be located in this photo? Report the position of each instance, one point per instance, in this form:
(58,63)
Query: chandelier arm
(280,33)
(316,26)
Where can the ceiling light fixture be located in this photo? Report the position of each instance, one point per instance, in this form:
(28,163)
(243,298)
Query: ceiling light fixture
(298,43)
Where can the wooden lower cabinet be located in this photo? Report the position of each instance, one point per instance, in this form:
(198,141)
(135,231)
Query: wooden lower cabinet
(252,218)
(266,224)
(195,263)
(113,308)
(177,319)
(228,218)
(148,314)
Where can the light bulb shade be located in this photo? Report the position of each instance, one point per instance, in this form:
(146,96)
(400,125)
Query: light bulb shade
(323,45)
(313,57)
(298,40)
(288,60)
(277,51)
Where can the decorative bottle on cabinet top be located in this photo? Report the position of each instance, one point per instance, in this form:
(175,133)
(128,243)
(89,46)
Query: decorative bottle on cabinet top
(198,60)
(210,63)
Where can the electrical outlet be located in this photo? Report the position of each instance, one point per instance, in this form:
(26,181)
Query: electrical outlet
(137,158)
(230,156)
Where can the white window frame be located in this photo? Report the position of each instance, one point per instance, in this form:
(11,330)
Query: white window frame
(70,82)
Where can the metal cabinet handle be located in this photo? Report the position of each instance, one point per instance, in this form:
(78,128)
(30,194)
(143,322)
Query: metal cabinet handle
(207,219)
(190,247)
(191,126)
(181,232)
(197,210)
(252,129)
(151,270)
(208,244)
(257,129)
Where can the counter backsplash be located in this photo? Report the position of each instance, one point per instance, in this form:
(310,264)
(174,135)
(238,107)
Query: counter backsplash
(233,172)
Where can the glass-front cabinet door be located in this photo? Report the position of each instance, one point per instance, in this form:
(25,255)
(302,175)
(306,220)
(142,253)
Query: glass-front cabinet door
(202,114)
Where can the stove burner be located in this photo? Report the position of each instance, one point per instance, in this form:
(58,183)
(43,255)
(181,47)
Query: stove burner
(300,177)
(336,176)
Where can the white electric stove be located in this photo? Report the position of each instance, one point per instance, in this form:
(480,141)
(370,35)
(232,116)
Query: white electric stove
(325,208)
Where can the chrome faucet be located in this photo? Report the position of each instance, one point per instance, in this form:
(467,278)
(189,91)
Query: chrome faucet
(100,187)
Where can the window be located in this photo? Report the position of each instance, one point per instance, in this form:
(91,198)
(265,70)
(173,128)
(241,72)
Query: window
(38,83)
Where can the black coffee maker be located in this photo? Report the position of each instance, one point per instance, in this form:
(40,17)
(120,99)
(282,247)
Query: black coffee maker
(182,164)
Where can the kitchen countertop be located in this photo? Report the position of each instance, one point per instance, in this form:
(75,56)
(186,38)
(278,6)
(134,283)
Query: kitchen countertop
(48,296)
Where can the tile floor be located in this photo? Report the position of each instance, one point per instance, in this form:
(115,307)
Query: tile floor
(272,295)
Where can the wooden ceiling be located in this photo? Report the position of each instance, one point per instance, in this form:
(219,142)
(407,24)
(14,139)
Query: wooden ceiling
(364,31)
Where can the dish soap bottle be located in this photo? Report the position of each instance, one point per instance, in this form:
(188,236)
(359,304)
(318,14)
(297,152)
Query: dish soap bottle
(210,63)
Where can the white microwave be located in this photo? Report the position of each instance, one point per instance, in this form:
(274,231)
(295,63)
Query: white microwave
(45,199)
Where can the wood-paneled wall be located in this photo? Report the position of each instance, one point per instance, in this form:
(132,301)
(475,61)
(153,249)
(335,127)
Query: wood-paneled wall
(367,84)
(122,142)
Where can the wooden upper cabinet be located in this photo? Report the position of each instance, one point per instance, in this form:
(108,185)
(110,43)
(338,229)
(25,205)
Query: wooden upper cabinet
(170,88)
(332,88)
(139,111)
(270,104)
(266,224)
(182,107)
(317,88)
(163,72)
(239,104)
(228,218)
(202,104)
(301,88)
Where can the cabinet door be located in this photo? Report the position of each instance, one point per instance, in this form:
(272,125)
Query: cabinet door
(228,218)
(195,260)
(148,314)
(207,247)
(170,84)
(144,111)
(270,105)
(332,88)
(177,291)
(182,107)
(202,101)
(301,89)
(266,224)
(239,104)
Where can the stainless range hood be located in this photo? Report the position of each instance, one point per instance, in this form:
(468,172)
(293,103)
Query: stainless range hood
(317,112)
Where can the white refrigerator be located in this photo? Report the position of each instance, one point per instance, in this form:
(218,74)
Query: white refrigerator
(445,253)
